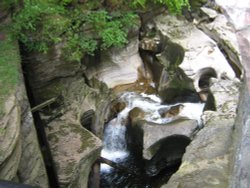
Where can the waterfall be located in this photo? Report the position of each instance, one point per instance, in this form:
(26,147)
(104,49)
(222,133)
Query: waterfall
(115,147)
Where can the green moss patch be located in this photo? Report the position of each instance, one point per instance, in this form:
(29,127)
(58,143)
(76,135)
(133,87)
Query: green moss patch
(9,59)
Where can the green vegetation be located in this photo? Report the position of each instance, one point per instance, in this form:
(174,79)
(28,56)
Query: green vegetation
(80,27)
(9,59)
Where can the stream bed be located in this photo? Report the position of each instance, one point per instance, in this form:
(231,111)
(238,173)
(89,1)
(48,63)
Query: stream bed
(115,142)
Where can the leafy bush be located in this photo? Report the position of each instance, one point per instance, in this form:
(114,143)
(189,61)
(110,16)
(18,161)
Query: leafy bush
(174,6)
(82,28)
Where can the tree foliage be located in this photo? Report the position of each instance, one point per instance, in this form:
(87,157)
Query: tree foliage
(81,28)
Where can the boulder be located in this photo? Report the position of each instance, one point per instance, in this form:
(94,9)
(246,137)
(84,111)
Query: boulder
(80,98)
(118,66)
(74,150)
(206,161)
(201,52)
(153,133)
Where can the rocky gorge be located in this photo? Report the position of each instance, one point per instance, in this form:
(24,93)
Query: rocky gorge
(174,101)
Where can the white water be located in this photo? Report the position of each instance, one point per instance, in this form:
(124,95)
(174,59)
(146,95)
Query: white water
(115,147)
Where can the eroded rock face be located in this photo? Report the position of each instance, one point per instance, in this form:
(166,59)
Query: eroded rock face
(10,139)
(48,73)
(74,150)
(207,158)
(20,154)
(118,66)
(206,161)
(223,32)
(201,52)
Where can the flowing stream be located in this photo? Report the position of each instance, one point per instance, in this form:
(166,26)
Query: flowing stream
(115,146)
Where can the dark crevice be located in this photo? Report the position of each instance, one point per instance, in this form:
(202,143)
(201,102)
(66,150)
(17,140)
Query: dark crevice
(234,65)
(87,119)
(206,74)
(41,135)
(168,153)
(232,60)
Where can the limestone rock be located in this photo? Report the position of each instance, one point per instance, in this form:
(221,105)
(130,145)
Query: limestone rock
(31,169)
(118,66)
(10,150)
(237,11)
(206,161)
(47,73)
(226,97)
(47,67)
(201,52)
(223,32)
(153,133)
(80,98)
(74,150)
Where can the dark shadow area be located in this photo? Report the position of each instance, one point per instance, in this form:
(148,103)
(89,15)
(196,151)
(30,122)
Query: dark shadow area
(206,74)
(87,119)
(40,127)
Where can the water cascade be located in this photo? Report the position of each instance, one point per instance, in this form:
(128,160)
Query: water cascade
(115,144)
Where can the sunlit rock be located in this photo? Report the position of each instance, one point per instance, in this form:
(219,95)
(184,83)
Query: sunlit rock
(118,66)
(200,51)
(237,11)
(223,32)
